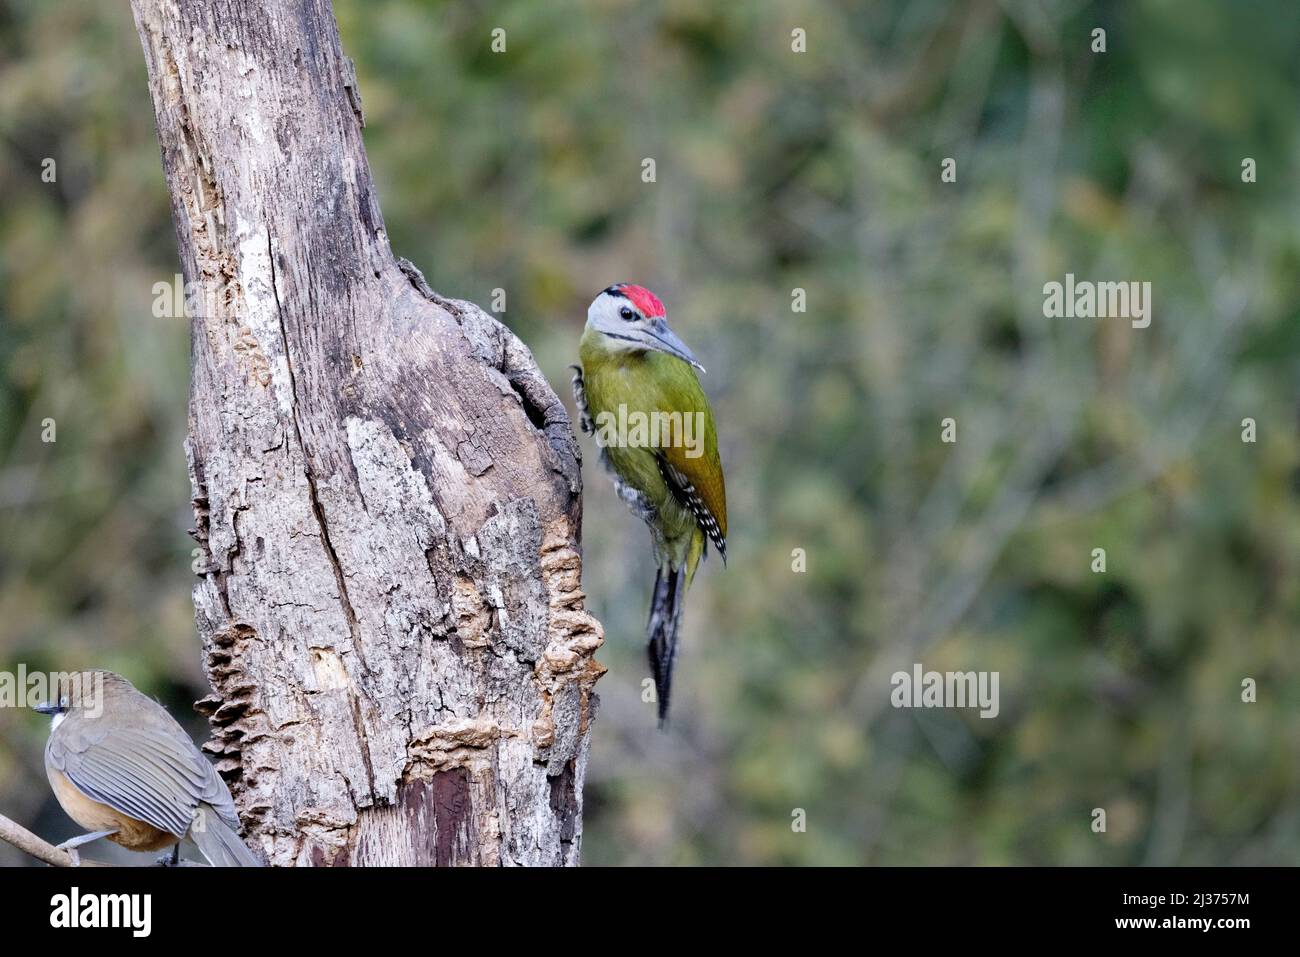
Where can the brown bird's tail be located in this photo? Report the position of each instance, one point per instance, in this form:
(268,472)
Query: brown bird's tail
(218,841)
(661,632)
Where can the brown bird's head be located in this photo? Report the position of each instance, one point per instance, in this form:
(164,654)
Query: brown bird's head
(82,691)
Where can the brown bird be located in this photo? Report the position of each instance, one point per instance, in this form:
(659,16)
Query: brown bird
(124,769)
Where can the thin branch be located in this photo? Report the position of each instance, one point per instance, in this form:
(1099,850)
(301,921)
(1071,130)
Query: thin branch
(29,843)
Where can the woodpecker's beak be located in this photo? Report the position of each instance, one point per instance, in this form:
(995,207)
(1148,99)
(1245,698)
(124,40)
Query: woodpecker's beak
(46,707)
(663,339)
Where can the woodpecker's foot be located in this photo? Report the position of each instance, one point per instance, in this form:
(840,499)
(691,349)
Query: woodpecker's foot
(580,400)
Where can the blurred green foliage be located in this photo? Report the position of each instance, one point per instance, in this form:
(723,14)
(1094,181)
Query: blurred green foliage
(775,171)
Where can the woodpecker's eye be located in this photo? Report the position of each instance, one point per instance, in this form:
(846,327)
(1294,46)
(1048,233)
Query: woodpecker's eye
(627,313)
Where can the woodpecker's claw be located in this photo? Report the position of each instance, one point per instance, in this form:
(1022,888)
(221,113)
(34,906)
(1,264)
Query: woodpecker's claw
(580,400)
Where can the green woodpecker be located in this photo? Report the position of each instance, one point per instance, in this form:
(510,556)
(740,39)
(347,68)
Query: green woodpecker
(636,390)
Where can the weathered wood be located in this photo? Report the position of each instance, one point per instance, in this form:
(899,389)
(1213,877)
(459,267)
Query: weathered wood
(386,490)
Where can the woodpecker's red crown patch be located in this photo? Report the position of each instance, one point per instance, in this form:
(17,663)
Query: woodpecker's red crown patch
(642,298)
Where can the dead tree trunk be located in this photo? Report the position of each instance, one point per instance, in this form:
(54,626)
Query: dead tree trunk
(386,490)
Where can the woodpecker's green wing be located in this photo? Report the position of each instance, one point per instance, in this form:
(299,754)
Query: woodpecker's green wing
(692,468)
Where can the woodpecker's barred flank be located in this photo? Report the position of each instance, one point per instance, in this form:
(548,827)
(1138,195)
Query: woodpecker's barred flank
(635,500)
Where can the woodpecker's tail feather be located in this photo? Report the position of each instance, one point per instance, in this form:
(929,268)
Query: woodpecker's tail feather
(661,632)
(219,842)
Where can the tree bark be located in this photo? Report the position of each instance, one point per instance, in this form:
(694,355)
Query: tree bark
(387,492)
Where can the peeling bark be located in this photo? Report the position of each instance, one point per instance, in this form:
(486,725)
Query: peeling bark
(386,489)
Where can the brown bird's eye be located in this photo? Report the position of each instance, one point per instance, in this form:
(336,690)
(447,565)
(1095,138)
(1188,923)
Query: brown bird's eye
(627,313)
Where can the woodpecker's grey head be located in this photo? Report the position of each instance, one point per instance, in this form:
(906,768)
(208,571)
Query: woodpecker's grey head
(632,317)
